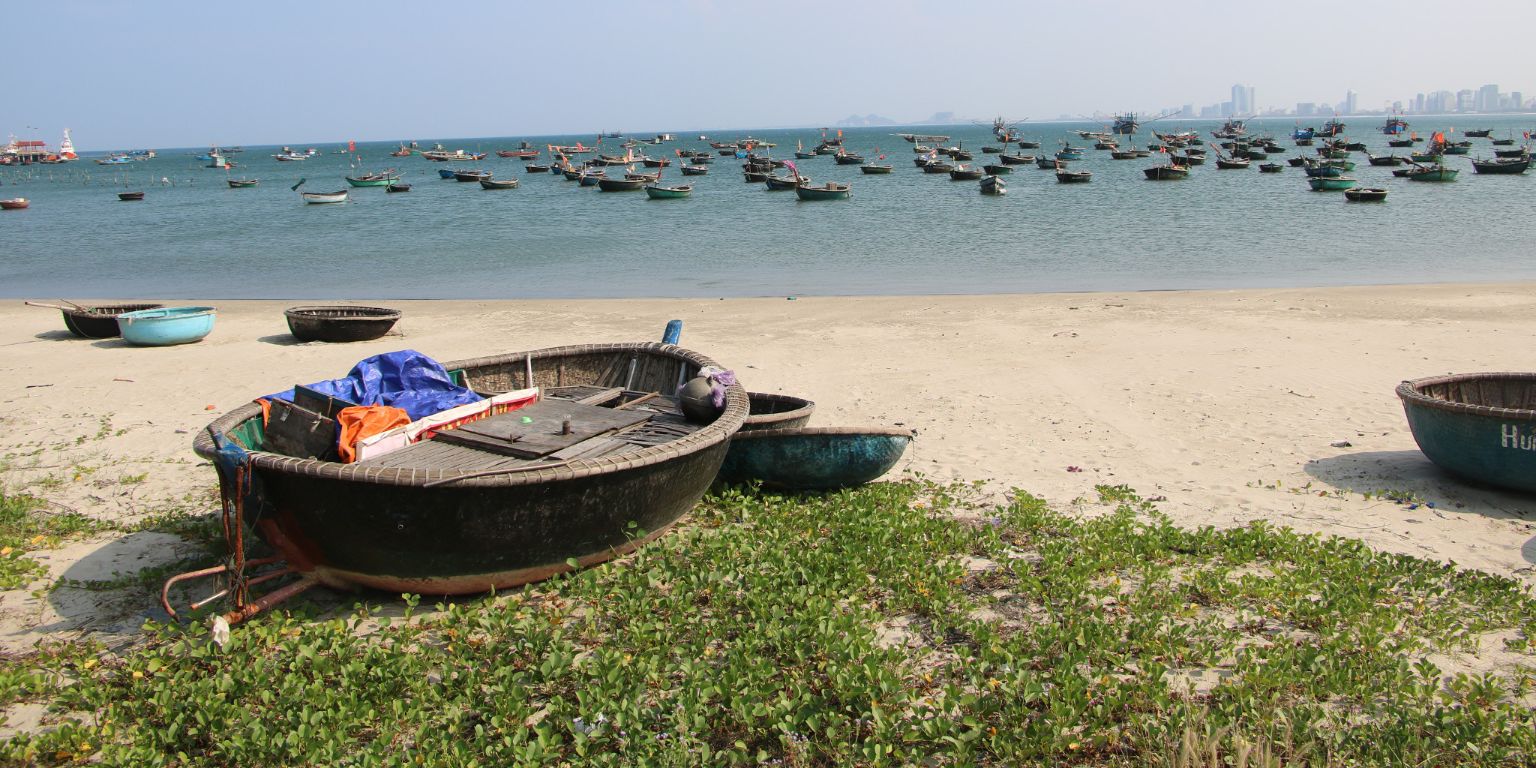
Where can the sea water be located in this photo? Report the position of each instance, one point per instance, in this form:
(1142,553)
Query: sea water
(904,233)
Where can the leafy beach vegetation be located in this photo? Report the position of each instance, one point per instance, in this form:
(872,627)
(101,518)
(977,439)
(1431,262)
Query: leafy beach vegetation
(895,624)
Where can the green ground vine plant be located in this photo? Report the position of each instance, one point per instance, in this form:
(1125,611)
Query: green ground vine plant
(895,624)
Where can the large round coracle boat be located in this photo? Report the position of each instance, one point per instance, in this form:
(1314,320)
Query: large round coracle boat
(595,462)
(340,323)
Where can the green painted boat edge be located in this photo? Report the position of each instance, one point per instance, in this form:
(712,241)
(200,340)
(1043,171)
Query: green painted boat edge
(1495,446)
(813,458)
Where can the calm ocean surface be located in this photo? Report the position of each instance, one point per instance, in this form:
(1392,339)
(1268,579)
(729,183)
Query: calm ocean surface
(905,233)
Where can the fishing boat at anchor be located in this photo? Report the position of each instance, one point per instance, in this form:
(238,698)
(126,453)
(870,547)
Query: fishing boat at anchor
(378,179)
(1167,172)
(580,455)
(658,192)
(829,191)
(1330,183)
(321,198)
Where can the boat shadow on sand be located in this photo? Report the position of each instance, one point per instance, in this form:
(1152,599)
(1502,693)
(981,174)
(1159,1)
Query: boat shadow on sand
(102,588)
(1411,474)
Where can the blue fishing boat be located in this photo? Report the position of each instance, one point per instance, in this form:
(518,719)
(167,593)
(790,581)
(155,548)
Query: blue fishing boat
(811,459)
(1480,426)
(166,326)
(445,173)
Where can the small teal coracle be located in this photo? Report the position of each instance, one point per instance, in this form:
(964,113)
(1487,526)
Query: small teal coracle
(166,326)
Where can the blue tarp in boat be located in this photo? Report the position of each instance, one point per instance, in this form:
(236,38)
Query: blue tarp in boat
(406,379)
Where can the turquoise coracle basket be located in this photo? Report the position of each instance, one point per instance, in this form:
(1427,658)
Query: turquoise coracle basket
(167,326)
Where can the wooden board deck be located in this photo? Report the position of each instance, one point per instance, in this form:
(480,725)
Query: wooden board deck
(537,430)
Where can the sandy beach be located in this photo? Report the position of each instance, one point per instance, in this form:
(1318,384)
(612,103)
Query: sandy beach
(1233,406)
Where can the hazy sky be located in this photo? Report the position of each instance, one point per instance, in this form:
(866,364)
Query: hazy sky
(152,73)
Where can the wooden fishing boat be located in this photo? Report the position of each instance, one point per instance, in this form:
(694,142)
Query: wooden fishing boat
(937,166)
(1384,160)
(1503,142)
(848,158)
(1330,183)
(993,185)
(1432,173)
(658,192)
(1501,166)
(1322,171)
(622,185)
(379,179)
(535,168)
(695,170)
(1271,168)
(591,178)
(322,198)
(1028,144)
(242,183)
(875,168)
(767,410)
(829,191)
(522,154)
(166,326)
(997,169)
(961,154)
(1046,163)
(650,178)
(471,175)
(1365,194)
(964,172)
(463,516)
(95,322)
(14,204)
(1426,158)
(1229,164)
(756,177)
(1477,133)
(340,323)
(1505,153)
(785,183)
(1296,162)
(1016,159)
(1065,176)
(494,183)
(1166,172)
(1458,149)
(445,173)
(991,150)
(813,459)
(1479,426)
(656,162)
(398,186)
(1400,143)
(1188,159)
(129,196)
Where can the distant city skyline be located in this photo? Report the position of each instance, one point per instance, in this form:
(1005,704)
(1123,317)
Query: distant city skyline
(169,73)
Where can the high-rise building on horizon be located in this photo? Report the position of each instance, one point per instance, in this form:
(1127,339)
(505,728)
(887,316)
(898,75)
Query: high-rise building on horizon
(1243,100)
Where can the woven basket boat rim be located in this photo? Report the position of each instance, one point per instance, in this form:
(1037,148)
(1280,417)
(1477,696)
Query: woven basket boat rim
(720,430)
(308,312)
(1411,393)
(770,434)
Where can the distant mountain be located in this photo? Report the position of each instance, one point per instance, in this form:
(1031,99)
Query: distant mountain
(941,118)
(854,121)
